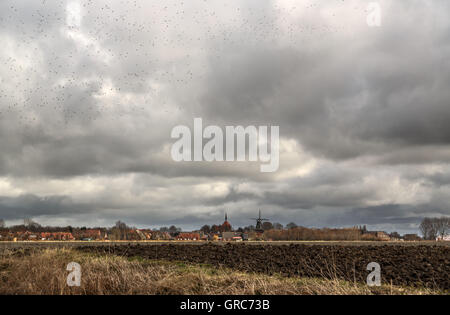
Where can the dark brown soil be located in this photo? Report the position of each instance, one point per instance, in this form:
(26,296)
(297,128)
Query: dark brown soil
(419,266)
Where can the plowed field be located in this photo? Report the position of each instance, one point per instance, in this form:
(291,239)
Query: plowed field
(420,266)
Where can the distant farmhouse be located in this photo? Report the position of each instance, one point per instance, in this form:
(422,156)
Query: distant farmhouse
(232,236)
(443,238)
(411,237)
(188,237)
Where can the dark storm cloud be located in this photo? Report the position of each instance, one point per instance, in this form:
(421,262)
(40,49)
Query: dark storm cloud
(333,101)
(381,93)
(28,206)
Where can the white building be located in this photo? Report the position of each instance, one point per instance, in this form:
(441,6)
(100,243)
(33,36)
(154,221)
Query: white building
(445,238)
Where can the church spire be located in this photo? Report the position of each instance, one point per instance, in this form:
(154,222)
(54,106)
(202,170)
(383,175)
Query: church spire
(226,217)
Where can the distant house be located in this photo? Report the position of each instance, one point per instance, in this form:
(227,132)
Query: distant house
(228,236)
(443,238)
(25,236)
(188,237)
(88,234)
(93,234)
(158,235)
(374,235)
(56,236)
(144,234)
(383,236)
(411,237)
(232,236)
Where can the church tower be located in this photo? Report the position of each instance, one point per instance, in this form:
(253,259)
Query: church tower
(226,226)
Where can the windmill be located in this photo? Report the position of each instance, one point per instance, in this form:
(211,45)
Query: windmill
(259,222)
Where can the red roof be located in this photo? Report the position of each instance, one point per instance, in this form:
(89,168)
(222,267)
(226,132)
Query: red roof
(188,236)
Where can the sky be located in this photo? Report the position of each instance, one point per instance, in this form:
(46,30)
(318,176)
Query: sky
(90,91)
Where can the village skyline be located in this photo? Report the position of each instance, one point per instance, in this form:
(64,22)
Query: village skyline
(430,229)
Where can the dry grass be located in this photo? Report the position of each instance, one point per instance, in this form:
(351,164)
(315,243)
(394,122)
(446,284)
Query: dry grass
(44,272)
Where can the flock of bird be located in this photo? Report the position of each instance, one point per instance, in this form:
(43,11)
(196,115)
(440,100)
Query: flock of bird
(127,58)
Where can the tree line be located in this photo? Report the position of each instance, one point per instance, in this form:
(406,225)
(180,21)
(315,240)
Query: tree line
(119,231)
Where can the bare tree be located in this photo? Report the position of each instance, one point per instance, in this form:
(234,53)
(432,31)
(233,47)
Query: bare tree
(266,226)
(277,226)
(434,227)
(31,224)
(291,225)
(206,229)
(119,230)
(121,225)
(442,226)
(2,223)
(173,230)
(428,229)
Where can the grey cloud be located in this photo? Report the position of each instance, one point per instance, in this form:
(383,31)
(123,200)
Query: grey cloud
(101,101)
(26,206)
(383,92)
